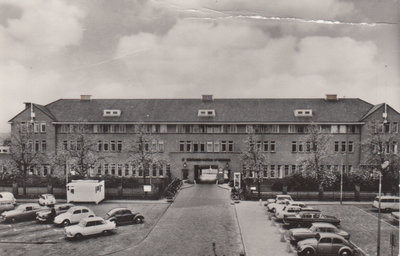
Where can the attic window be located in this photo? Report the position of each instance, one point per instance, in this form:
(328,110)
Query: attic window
(206,112)
(111,112)
(303,112)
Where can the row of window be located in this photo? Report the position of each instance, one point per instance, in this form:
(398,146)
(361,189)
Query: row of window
(206,146)
(114,145)
(35,127)
(35,146)
(132,171)
(280,171)
(388,127)
(225,128)
(386,148)
(343,146)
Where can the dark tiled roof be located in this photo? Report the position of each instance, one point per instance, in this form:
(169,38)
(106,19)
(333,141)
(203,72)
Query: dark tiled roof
(227,110)
(44,110)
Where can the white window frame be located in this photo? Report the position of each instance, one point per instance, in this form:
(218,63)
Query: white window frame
(206,113)
(36,127)
(111,112)
(42,127)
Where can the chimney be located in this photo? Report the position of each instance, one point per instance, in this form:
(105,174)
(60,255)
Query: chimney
(27,105)
(207,98)
(331,97)
(85,97)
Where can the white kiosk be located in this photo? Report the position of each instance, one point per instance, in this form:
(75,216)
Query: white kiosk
(85,191)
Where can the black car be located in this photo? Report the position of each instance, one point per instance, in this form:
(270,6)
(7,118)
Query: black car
(49,214)
(305,219)
(124,216)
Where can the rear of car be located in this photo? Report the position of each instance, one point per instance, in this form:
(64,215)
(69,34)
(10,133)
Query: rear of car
(7,201)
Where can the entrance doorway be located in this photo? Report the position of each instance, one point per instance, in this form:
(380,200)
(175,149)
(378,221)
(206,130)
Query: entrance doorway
(205,173)
(185,174)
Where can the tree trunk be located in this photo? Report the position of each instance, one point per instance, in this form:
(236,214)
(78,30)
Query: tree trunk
(320,192)
(357,192)
(24,184)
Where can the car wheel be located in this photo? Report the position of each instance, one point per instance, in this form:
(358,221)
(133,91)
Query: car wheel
(106,232)
(13,220)
(78,236)
(387,210)
(345,253)
(66,223)
(308,252)
(139,220)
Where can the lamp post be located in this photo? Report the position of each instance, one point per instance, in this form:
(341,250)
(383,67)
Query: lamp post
(341,184)
(384,165)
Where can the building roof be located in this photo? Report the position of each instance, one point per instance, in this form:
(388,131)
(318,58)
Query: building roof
(227,110)
(372,110)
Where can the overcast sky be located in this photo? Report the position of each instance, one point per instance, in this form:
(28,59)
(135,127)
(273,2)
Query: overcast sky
(185,48)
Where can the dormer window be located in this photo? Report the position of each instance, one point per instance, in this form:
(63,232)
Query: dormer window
(206,113)
(303,112)
(111,112)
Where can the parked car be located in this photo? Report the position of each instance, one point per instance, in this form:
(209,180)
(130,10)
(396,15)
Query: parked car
(49,214)
(279,208)
(326,244)
(47,199)
(298,234)
(294,213)
(388,203)
(90,226)
(22,212)
(278,198)
(124,216)
(395,217)
(7,201)
(73,215)
(306,218)
(286,210)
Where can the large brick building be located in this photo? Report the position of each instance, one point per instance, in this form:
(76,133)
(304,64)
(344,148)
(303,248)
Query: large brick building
(202,133)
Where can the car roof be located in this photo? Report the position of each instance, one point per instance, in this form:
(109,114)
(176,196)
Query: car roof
(117,209)
(78,208)
(47,195)
(323,224)
(332,235)
(392,197)
(66,204)
(95,218)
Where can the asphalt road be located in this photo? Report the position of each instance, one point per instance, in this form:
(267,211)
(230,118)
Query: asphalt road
(201,221)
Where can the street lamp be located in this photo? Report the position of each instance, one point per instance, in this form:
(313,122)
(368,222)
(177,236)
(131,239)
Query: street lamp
(384,165)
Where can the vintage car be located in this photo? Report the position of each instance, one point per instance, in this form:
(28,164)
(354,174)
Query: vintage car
(278,198)
(47,199)
(286,210)
(7,201)
(22,212)
(326,244)
(306,218)
(298,234)
(73,215)
(124,216)
(90,226)
(388,203)
(49,214)
(395,217)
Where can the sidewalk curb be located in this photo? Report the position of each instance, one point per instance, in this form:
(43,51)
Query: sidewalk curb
(220,186)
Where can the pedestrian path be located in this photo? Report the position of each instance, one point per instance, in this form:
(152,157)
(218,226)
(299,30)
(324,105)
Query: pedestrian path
(260,236)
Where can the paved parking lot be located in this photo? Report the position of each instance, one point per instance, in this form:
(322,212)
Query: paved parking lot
(31,238)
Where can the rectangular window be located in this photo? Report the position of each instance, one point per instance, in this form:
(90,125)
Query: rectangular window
(113,145)
(216,146)
(343,148)
(133,170)
(161,171)
(293,168)
(292,128)
(113,169)
(300,147)
(265,144)
(154,170)
(37,146)
(65,145)
(223,146)
(209,146)
(265,171)
(146,147)
(272,171)
(394,145)
(44,146)
(126,169)
(122,128)
(79,145)
(230,146)
(275,128)
(334,129)
(119,146)
(258,144)
(99,169)
(140,174)
(147,172)
(119,169)
(202,147)
(272,146)
(188,146)
(64,128)
(279,171)
(286,170)
(35,127)
(105,146)
(181,146)
(308,146)
(154,146)
(155,128)
(106,169)
(161,146)
(342,129)
(43,127)
(386,127)
(350,146)
(163,128)
(395,127)
(336,146)
(99,145)
(294,146)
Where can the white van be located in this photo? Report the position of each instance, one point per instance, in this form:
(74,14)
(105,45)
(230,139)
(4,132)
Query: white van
(388,203)
(7,201)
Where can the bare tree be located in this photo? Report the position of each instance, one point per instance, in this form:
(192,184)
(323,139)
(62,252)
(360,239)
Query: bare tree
(253,157)
(381,146)
(144,152)
(25,156)
(317,151)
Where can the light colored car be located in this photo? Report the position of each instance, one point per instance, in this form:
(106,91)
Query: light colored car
(298,234)
(49,214)
(90,226)
(47,199)
(73,215)
(7,201)
(22,212)
(388,203)
(280,199)
(286,210)
(326,244)
(395,217)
